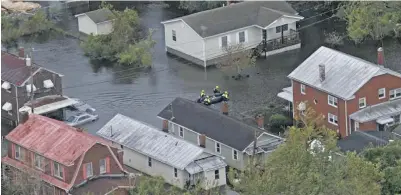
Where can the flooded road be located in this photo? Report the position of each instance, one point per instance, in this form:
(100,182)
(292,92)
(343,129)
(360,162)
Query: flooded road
(141,95)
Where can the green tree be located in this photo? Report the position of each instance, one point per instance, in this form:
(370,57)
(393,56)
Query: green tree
(236,58)
(372,19)
(197,6)
(388,158)
(300,166)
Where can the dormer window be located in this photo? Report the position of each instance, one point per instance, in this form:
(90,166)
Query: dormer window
(58,170)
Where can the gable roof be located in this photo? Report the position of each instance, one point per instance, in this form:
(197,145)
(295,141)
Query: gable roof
(204,120)
(345,74)
(53,139)
(238,15)
(99,16)
(150,141)
(360,140)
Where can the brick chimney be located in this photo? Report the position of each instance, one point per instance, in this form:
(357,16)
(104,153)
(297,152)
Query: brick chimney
(24,116)
(260,120)
(380,56)
(202,140)
(224,108)
(322,72)
(21,52)
(165,125)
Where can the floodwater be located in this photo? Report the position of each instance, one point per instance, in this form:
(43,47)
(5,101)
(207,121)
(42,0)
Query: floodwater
(142,95)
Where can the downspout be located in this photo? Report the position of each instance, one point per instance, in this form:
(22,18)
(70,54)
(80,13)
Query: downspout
(346,118)
(204,57)
(17,99)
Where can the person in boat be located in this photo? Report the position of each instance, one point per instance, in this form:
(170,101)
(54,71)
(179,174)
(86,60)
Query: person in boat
(202,94)
(207,100)
(216,89)
(225,96)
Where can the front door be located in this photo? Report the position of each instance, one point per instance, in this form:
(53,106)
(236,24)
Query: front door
(264,34)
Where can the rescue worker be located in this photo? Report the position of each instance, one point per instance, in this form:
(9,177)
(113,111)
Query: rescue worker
(202,94)
(216,89)
(225,96)
(207,100)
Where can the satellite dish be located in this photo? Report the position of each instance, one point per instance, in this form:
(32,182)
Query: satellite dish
(302,106)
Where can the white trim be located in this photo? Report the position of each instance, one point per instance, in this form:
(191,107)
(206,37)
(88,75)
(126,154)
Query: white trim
(356,124)
(48,83)
(105,166)
(7,106)
(335,101)
(6,85)
(303,89)
(346,118)
(215,147)
(395,93)
(234,151)
(364,102)
(334,117)
(181,129)
(237,40)
(15,152)
(221,41)
(384,93)
(86,169)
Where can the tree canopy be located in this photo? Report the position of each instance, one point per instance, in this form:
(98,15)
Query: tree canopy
(236,58)
(197,6)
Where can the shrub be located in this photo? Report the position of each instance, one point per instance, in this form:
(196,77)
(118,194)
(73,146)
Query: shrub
(278,121)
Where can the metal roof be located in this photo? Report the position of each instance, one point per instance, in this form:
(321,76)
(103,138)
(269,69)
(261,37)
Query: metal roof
(14,69)
(345,74)
(150,141)
(385,109)
(52,139)
(236,16)
(206,164)
(100,15)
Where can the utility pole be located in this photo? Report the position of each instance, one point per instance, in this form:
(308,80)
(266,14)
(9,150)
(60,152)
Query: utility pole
(28,61)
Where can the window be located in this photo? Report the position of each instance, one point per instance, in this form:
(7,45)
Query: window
(88,169)
(395,93)
(382,93)
(303,89)
(264,34)
(175,172)
(333,101)
(58,170)
(102,166)
(216,174)
(149,162)
(333,119)
(285,27)
(281,28)
(241,37)
(38,161)
(174,35)
(181,132)
(224,41)
(17,152)
(362,102)
(218,148)
(235,154)
(83,118)
(278,29)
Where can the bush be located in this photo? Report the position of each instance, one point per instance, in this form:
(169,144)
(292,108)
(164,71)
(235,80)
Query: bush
(278,122)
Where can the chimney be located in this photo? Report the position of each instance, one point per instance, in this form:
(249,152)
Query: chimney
(322,72)
(224,108)
(24,116)
(21,52)
(202,140)
(165,126)
(380,56)
(261,121)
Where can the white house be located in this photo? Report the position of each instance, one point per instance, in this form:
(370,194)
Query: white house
(156,153)
(97,22)
(201,38)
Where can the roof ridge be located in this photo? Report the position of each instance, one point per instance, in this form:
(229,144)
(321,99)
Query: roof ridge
(349,55)
(274,10)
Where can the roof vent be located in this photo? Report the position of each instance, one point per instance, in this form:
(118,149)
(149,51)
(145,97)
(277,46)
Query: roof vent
(322,72)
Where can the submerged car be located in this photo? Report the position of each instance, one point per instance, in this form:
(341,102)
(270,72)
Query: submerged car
(82,106)
(80,119)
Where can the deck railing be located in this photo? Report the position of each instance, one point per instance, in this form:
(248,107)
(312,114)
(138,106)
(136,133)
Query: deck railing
(274,44)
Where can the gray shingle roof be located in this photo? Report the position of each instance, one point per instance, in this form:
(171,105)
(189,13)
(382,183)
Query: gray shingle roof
(237,16)
(385,109)
(358,140)
(100,15)
(345,74)
(150,141)
(213,124)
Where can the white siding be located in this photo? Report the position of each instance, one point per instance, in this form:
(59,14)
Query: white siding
(86,25)
(271,31)
(188,41)
(104,28)
(210,180)
(140,162)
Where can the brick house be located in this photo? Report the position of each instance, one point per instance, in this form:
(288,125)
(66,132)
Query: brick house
(65,160)
(16,87)
(351,93)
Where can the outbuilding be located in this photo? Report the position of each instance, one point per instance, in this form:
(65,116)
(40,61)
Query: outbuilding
(97,22)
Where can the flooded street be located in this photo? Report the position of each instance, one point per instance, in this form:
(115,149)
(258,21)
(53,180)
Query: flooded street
(141,95)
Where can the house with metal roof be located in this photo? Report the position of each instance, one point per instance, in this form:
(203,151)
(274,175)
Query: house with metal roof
(202,38)
(17,74)
(65,160)
(156,153)
(351,93)
(97,22)
(218,132)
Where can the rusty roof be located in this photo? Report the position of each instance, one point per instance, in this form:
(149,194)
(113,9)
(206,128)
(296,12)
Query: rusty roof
(14,70)
(53,139)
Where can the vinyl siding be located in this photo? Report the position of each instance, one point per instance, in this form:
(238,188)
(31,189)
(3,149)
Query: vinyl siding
(210,180)
(86,25)
(105,27)
(271,31)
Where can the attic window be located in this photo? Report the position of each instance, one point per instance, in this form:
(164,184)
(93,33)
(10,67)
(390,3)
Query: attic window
(174,35)
(48,84)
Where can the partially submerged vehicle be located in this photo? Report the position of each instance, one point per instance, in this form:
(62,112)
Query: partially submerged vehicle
(80,119)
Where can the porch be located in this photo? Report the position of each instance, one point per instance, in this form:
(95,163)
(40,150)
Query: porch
(285,42)
(286,94)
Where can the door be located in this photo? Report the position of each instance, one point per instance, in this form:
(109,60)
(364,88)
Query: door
(356,126)
(264,34)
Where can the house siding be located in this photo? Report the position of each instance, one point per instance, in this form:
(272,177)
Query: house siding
(187,40)
(271,31)
(104,28)
(139,162)
(86,25)
(210,180)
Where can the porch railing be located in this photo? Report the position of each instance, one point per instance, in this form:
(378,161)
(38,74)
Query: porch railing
(274,44)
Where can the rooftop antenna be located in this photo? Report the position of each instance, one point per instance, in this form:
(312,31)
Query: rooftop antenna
(172,112)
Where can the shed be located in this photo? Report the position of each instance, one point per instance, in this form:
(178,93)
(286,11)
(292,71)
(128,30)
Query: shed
(97,22)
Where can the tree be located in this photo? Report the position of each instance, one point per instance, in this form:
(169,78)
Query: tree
(388,158)
(300,167)
(372,20)
(197,6)
(236,57)
(21,182)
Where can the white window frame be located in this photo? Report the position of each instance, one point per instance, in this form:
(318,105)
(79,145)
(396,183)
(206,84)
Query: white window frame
(364,102)
(17,150)
(174,35)
(38,159)
(175,172)
(334,117)
(218,147)
(91,170)
(334,101)
(181,132)
(150,162)
(394,91)
(58,172)
(245,37)
(221,41)
(235,154)
(384,93)
(102,170)
(356,126)
(303,89)
(216,174)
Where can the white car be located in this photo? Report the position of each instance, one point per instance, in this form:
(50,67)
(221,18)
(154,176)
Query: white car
(80,119)
(82,106)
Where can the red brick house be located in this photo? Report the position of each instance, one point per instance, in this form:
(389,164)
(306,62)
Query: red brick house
(351,93)
(67,160)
